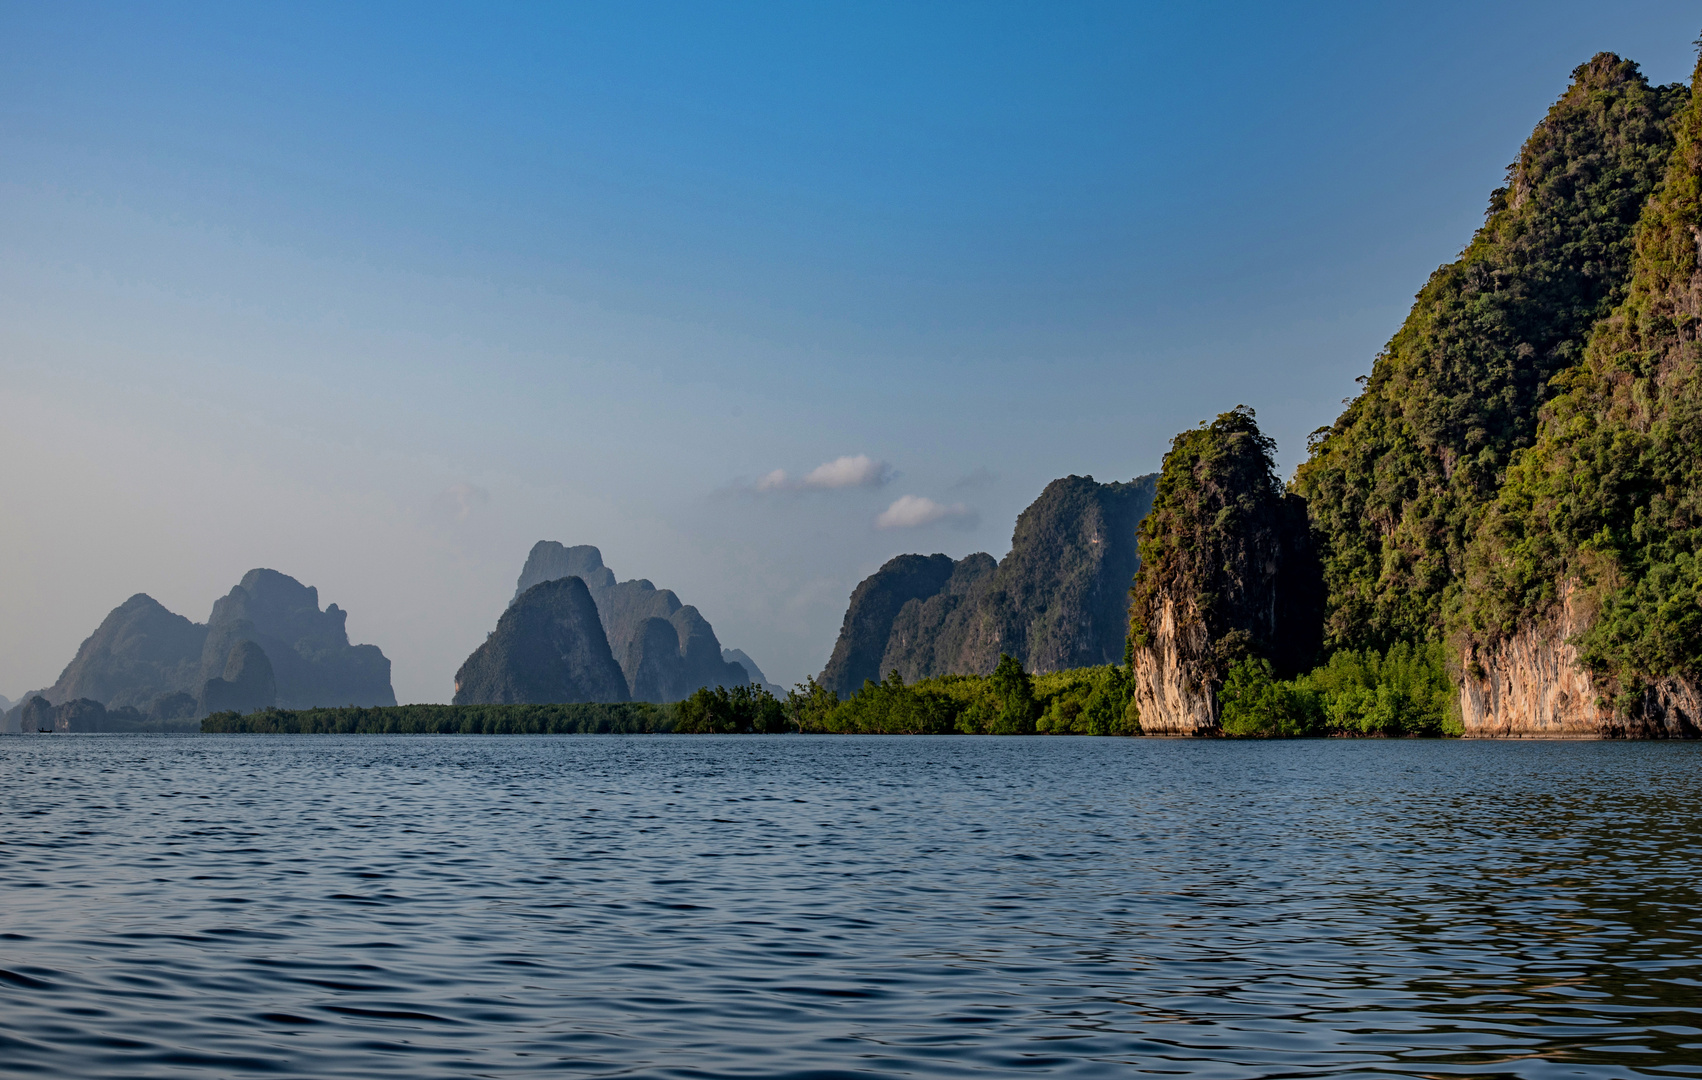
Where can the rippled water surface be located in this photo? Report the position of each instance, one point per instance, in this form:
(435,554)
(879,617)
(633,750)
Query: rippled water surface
(791,906)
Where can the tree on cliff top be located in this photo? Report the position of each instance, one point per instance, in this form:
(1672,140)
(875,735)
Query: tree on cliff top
(1608,502)
(1229,548)
(1399,484)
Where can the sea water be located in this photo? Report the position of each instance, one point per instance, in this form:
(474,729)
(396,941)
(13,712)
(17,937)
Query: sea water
(795,906)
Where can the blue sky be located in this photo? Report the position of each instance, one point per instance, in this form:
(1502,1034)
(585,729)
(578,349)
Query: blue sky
(379,296)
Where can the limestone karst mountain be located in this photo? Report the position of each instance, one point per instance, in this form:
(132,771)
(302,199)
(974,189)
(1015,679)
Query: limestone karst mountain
(666,650)
(1399,485)
(1511,502)
(139,652)
(144,657)
(1227,572)
(741,658)
(309,650)
(1058,600)
(1582,607)
(548,647)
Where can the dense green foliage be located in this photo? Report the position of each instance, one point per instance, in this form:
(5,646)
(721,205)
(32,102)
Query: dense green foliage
(1607,505)
(575,719)
(1080,701)
(746,709)
(1086,701)
(1230,550)
(1404,691)
(1398,486)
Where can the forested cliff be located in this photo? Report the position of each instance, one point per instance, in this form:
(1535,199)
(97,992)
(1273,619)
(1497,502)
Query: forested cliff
(1398,485)
(1582,611)
(1227,573)
(1505,521)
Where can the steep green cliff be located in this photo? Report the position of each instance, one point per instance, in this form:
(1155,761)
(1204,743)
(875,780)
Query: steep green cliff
(1593,545)
(1227,573)
(1400,483)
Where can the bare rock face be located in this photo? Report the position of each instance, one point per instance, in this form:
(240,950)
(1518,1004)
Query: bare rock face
(1532,686)
(653,670)
(248,682)
(548,648)
(1173,692)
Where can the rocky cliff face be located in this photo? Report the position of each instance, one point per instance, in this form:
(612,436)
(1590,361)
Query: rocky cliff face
(1399,485)
(247,683)
(654,668)
(309,651)
(548,647)
(1175,693)
(1058,600)
(146,658)
(1532,685)
(139,651)
(1579,616)
(875,604)
(1227,576)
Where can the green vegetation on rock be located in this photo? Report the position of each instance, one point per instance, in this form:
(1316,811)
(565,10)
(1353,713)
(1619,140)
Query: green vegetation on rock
(1227,550)
(1607,505)
(1398,486)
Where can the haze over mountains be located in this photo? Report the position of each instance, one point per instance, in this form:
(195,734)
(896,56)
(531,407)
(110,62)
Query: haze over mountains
(265,643)
(570,624)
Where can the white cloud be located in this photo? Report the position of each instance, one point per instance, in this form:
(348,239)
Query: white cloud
(851,471)
(844,472)
(914,511)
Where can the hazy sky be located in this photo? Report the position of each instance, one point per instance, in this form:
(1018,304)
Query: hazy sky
(753,297)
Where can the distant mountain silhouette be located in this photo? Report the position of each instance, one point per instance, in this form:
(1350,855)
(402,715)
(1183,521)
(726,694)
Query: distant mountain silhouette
(666,650)
(309,649)
(159,664)
(739,657)
(548,647)
(1059,599)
